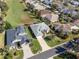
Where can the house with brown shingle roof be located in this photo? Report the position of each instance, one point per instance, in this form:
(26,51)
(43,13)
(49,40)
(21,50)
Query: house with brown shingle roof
(52,17)
(76,22)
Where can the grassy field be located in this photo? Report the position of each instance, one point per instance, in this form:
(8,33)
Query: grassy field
(16,13)
(1,40)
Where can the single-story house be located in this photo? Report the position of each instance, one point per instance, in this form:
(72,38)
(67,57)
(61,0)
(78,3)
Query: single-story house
(62,27)
(66,27)
(14,36)
(39,29)
(76,22)
(76,3)
(74,28)
(48,2)
(38,6)
(52,17)
(9,37)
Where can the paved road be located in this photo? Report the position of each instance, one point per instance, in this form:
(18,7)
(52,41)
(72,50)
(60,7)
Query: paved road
(46,54)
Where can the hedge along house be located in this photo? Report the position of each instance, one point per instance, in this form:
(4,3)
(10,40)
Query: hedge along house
(15,38)
(40,29)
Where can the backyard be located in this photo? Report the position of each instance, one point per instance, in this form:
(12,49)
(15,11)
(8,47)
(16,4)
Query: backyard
(16,14)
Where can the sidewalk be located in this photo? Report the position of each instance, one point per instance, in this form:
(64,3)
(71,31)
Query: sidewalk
(50,58)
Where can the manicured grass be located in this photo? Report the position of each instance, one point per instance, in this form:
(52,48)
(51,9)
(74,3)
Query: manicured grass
(57,57)
(34,45)
(66,55)
(56,40)
(1,40)
(53,42)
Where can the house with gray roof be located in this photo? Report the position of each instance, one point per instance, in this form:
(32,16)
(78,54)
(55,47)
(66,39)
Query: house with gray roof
(14,36)
(48,2)
(39,29)
(76,3)
(9,37)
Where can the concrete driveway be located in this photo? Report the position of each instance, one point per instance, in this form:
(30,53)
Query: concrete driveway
(43,44)
(27,51)
(48,54)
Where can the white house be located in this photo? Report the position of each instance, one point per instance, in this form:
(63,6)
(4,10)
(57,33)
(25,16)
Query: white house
(74,28)
(39,29)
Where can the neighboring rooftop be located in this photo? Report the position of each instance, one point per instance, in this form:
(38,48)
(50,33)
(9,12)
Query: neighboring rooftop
(15,35)
(49,15)
(9,36)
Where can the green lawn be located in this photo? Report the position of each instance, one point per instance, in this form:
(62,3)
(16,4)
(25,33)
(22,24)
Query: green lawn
(34,45)
(15,12)
(57,57)
(19,54)
(53,42)
(56,40)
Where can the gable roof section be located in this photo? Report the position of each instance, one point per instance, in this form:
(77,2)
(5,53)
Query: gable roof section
(10,36)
